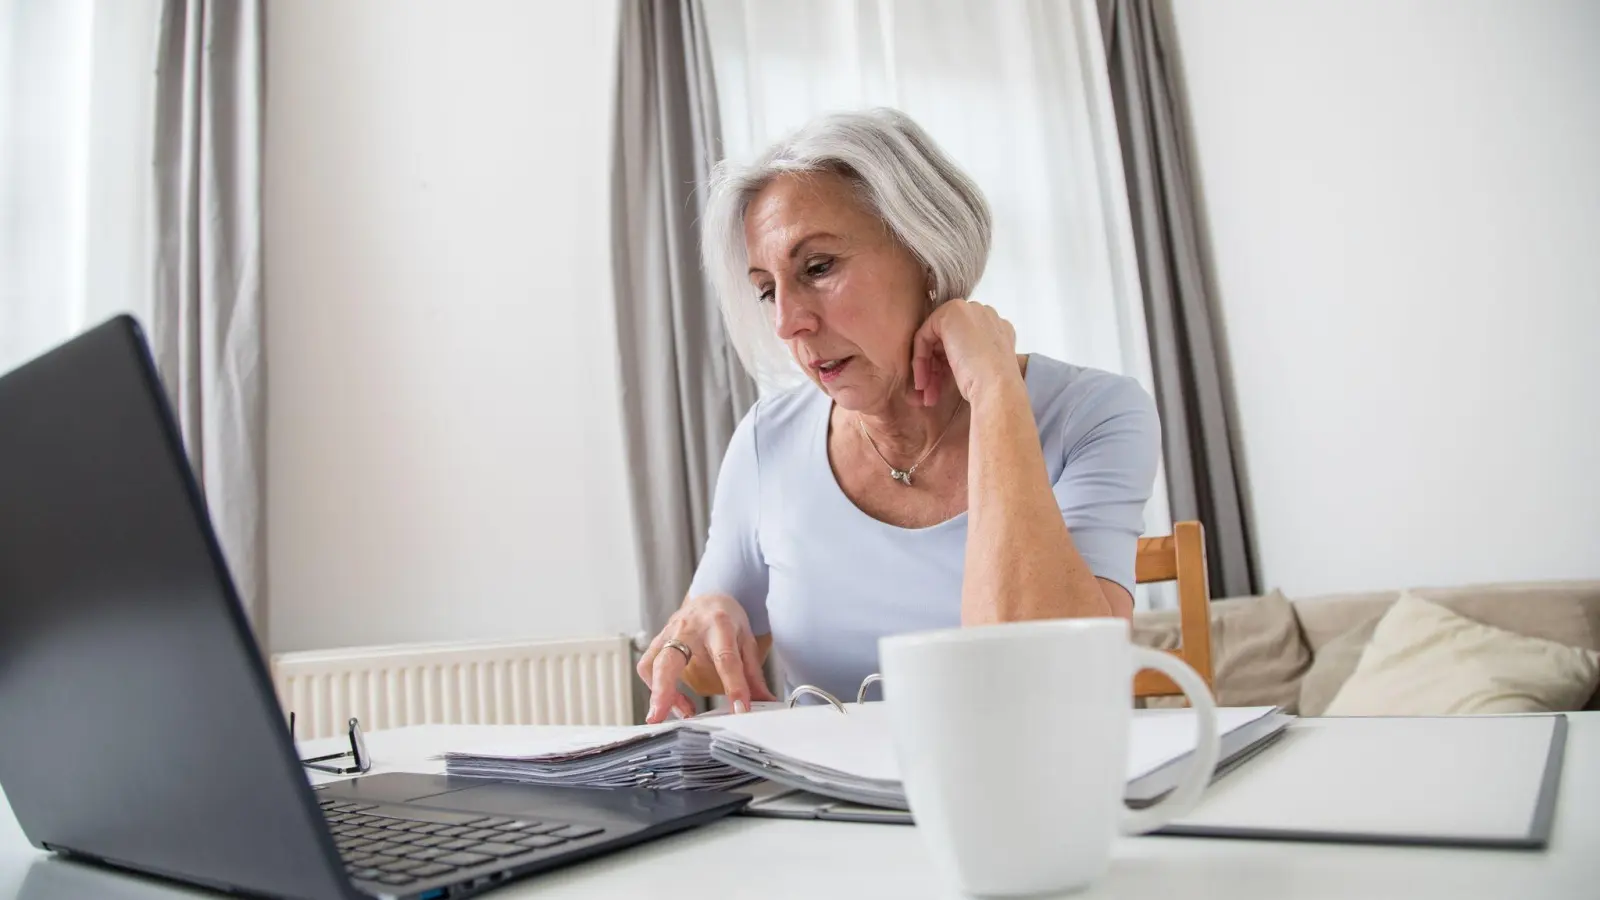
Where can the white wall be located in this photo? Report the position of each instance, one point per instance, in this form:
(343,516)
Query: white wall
(445,448)
(1403,201)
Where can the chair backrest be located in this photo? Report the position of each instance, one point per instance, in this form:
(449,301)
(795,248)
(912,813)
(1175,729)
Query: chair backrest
(1180,557)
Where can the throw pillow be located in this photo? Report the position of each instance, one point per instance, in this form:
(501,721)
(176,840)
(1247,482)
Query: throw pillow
(1333,666)
(1426,660)
(1257,655)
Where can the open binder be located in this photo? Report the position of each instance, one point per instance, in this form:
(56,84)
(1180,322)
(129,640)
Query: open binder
(842,753)
(838,762)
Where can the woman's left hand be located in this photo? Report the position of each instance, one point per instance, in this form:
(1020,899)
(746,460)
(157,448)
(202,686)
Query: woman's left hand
(966,343)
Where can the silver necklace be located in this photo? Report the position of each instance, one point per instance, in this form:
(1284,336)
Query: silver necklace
(904,475)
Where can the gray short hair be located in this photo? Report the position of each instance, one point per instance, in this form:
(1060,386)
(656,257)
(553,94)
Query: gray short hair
(931,206)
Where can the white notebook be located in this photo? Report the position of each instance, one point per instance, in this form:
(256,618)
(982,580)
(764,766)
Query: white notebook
(1468,781)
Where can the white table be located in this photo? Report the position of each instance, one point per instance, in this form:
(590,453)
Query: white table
(741,857)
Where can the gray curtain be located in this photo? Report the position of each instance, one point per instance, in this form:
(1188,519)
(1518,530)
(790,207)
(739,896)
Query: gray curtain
(683,389)
(206,318)
(1203,465)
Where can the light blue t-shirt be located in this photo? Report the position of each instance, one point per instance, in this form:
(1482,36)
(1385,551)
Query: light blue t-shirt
(826,580)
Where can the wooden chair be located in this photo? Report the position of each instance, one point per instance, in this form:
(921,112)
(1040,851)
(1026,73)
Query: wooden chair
(1180,557)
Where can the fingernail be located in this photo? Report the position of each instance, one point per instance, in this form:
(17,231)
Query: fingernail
(740,706)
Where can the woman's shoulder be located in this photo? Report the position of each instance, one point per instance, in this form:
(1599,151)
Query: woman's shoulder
(1071,401)
(779,422)
(784,411)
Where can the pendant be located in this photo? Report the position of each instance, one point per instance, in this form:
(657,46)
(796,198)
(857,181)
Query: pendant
(900,475)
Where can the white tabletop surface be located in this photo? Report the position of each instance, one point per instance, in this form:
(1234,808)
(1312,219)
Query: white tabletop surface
(742,856)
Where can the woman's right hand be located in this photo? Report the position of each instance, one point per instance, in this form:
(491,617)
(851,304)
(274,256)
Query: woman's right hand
(717,632)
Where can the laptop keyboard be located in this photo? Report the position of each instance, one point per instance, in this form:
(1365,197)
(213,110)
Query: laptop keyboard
(399,845)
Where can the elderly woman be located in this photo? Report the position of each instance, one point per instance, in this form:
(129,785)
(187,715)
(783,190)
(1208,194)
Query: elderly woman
(928,475)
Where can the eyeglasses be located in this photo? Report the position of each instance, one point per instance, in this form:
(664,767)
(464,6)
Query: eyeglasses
(360,762)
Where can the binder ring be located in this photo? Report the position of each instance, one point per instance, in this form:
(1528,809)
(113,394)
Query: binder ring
(813,690)
(869,681)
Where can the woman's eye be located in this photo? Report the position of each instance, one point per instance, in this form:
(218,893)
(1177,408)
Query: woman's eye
(765,296)
(819,268)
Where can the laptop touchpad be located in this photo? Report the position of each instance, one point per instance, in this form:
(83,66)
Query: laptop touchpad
(396,787)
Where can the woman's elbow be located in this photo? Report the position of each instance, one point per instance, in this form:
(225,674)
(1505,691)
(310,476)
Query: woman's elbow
(1117,598)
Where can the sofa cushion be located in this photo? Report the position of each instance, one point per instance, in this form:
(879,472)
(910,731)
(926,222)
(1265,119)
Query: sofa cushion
(1425,660)
(1564,612)
(1332,666)
(1327,617)
(1257,656)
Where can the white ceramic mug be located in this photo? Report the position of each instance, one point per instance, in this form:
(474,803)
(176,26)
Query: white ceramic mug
(1013,746)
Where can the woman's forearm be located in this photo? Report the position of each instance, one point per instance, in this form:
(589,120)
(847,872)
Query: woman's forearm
(1021,562)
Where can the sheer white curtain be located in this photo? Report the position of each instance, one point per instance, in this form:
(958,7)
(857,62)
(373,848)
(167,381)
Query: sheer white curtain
(76,88)
(1018,94)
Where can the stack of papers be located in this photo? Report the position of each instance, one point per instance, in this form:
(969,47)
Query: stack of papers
(667,756)
(846,756)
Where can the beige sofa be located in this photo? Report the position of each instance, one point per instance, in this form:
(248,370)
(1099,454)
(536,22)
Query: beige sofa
(1297,652)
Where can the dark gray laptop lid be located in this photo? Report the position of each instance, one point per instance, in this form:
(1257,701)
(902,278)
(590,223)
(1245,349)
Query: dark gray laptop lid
(137,720)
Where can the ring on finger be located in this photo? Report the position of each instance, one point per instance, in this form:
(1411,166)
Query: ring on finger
(681,647)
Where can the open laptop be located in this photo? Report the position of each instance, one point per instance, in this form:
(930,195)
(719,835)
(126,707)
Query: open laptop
(138,724)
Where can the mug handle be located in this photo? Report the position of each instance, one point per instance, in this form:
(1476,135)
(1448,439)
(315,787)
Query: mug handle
(1202,763)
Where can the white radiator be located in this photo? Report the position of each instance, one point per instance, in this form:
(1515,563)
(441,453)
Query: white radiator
(572,682)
